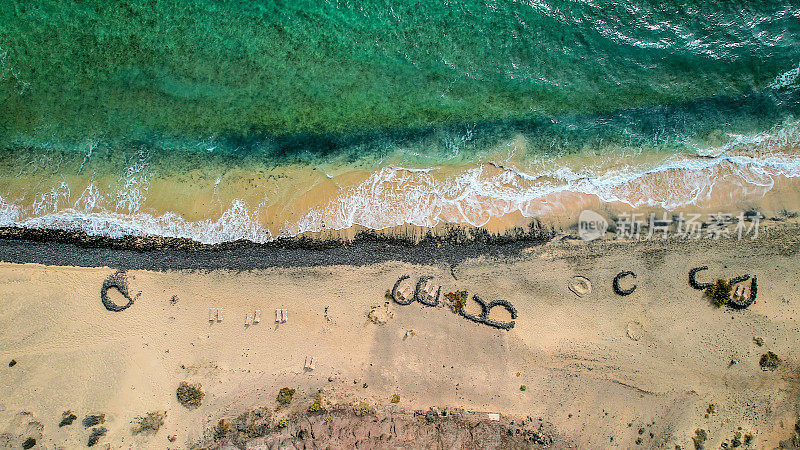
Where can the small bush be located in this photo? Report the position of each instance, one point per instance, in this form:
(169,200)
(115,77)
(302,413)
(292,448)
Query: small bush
(737,439)
(719,293)
(458,299)
(317,405)
(283,423)
(769,361)
(362,408)
(395,398)
(523,388)
(190,395)
(149,423)
(700,437)
(221,429)
(285,396)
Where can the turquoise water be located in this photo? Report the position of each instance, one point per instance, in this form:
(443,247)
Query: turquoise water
(218,86)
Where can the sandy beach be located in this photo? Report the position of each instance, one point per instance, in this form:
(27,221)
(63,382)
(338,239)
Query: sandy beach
(600,370)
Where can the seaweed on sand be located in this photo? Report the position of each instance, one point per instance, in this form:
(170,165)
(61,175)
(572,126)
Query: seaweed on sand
(118,281)
(394,292)
(422,298)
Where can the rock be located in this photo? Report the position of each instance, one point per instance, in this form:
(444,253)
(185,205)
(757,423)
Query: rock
(93,419)
(95,436)
(67,417)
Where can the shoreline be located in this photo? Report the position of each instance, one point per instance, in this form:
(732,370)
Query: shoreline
(448,245)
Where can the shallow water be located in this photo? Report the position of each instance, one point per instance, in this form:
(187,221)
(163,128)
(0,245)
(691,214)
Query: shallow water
(246,121)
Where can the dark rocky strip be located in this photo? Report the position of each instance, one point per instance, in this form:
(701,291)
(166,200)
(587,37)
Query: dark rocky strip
(58,247)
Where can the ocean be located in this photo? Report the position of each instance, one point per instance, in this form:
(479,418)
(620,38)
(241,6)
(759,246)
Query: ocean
(220,121)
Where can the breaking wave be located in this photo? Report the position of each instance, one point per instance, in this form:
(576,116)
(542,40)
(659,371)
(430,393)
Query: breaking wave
(748,165)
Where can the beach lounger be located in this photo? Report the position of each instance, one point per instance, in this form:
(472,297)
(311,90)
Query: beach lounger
(219,315)
(284,315)
(257,316)
(277,316)
(212,314)
(248,319)
(311,364)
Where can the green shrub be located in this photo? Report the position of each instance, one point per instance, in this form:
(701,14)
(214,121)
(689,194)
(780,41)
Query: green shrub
(190,395)
(149,423)
(523,388)
(719,293)
(362,408)
(285,396)
(769,361)
(700,437)
(283,423)
(317,405)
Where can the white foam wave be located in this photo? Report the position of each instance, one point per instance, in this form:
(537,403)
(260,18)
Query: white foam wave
(236,223)
(785,79)
(393,196)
